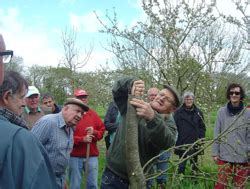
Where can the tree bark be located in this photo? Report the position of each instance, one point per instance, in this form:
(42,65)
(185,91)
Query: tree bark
(134,168)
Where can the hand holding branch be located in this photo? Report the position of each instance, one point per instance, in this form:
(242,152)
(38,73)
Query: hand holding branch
(143,109)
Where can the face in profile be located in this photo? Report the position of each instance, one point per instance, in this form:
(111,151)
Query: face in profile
(72,114)
(164,102)
(16,102)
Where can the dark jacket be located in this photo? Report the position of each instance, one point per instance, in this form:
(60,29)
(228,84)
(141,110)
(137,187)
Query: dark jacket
(110,118)
(190,125)
(23,161)
(154,136)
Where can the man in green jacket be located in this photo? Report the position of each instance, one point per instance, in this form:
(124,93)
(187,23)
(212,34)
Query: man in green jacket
(156,132)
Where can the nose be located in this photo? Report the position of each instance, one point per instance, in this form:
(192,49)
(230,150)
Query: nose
(23,102)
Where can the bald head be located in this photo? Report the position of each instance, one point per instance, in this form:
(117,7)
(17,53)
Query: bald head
(152,93)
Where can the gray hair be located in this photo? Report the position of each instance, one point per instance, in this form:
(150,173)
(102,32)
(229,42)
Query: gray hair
(12,82)
(188,94)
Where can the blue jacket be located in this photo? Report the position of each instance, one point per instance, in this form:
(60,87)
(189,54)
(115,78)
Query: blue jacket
(24,163)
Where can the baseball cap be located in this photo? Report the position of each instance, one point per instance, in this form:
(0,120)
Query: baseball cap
(32,90)
(80,92)
(76,102)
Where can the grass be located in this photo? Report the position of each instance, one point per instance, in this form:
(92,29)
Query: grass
(205,180)
(207,166)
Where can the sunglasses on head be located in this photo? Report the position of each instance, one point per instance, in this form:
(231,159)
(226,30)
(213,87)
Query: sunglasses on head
(234,92)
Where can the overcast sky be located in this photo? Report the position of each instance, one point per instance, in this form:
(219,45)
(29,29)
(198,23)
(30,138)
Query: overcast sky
(32,28)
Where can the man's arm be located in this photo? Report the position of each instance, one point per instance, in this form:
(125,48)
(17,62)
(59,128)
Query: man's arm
(30,163)
(121,90)
(217,131)
(42,130)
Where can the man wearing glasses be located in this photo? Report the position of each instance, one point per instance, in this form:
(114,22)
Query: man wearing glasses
(156,131)
(231,149)
(23,161)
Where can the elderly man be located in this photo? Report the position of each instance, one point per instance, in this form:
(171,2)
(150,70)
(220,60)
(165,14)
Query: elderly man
(191,127)
(33,111)
(161,164)
(55,132)
(155,131)
(23,161)
(84,155)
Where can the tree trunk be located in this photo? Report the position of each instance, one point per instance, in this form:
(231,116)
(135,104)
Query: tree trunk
(134,168)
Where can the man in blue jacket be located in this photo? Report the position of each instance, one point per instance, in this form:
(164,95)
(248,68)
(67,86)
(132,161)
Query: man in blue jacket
(23,161)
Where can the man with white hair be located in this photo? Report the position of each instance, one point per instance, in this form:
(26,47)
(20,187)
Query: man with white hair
(55,132)
(191,127)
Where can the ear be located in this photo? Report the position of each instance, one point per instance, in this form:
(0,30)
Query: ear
(6,96)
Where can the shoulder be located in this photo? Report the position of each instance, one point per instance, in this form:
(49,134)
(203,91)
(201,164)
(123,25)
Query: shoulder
(92,112)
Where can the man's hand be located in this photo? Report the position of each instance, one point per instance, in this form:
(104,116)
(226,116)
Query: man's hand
(143,109)
(88,138)
(90,130)
(138,88)
(216,159)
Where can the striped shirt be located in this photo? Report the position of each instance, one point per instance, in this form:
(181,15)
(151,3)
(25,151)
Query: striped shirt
(56,138)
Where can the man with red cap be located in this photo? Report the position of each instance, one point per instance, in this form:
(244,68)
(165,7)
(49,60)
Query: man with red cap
(88,131)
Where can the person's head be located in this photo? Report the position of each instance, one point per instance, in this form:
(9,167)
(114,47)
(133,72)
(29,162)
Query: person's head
(13,91)
(81,95)
(32,98)
(73,111)
(166,101)
(48,100)
(5,57)
(188,99)
(152,93)
(235,93)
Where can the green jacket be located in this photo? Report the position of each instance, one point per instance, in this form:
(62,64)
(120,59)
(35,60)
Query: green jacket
(24,164)
(154,136)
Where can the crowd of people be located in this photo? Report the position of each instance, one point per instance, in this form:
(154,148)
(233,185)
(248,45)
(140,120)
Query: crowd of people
(44,145)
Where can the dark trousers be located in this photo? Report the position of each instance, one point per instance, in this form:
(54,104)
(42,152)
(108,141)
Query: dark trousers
(112,181)
(193,162)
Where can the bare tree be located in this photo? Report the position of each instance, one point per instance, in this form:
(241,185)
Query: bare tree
(73,59)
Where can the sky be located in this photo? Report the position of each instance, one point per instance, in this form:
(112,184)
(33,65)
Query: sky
(32,28)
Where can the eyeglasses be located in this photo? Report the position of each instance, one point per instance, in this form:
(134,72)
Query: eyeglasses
(82,97)
(7,55)
(234,92)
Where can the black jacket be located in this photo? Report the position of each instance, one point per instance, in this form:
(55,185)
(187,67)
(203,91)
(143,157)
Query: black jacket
(190,125)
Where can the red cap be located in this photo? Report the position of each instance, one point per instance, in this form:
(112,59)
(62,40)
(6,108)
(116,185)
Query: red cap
(80,92)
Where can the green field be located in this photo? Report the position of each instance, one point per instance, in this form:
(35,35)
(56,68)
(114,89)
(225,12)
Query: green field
(205,179)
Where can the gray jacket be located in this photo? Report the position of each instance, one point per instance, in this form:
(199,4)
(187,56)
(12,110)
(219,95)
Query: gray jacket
(234,145)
